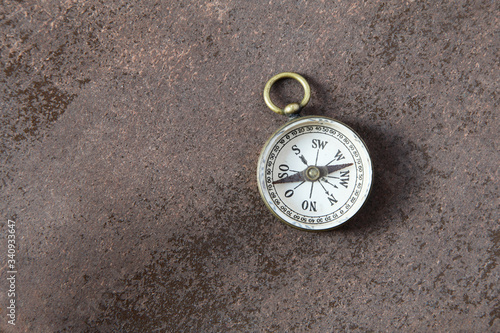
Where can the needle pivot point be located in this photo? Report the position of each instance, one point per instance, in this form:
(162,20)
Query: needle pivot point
(312,173)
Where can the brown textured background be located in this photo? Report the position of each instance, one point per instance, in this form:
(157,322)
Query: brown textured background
(130,133)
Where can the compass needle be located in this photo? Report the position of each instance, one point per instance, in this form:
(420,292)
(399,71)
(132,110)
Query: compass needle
(333,168)
(296,177)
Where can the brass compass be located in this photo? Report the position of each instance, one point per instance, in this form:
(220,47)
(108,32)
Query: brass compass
(313,173)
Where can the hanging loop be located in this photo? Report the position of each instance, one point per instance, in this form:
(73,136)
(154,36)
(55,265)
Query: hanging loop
(292,108)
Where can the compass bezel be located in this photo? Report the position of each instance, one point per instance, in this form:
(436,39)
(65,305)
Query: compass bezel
(337,126)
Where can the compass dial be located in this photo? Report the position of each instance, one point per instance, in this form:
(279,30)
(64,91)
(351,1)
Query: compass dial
(314,173)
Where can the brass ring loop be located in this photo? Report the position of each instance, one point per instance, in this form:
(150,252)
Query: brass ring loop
(290,75)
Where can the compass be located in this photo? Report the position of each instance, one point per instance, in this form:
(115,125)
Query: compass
(314,172)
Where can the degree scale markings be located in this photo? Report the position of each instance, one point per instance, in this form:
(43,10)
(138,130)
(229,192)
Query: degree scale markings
(284,141)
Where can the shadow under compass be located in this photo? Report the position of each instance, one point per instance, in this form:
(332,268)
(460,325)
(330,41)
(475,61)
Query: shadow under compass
(393,178)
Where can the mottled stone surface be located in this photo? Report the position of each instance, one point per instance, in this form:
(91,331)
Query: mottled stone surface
(130,136)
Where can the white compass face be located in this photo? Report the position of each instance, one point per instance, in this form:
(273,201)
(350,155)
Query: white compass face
(314,173)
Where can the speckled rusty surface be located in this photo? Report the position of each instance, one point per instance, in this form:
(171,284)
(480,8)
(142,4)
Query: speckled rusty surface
(130,135)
